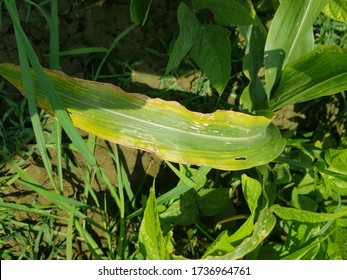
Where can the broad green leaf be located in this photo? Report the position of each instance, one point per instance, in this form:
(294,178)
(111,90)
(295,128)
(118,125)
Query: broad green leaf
(336,184)
(290,35)
(189,34)
(282,174)
(212,54)
(226,12)
(320,73)
(262,229)
(223,139)
(304,216)
(212,201)
(243,231)
(251,189)
(254,96)
(334,181)
(337,160)
(337,10)
(139,11)
(183,211)
(341,222)
(151,241)
(337,244)
(300,199)
(297,236)
(220,246)
(195,182)
(309,250)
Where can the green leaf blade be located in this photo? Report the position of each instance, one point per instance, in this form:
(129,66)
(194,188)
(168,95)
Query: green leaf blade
(337,10)
(183,211)
(322,72)
(251,189)
(303,216)
(139,11)
(226,12)
(224,139)
(212,55)
(254,96)
(262,229)
(337,160)
(152,243)
(189,33)
(290,36)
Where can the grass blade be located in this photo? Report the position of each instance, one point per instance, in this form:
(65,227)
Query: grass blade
(69,235)
(49,91)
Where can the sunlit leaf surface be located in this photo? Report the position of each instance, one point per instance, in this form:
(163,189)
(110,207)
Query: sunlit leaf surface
(223,139)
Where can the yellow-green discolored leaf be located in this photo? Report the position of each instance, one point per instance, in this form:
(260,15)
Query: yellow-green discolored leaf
(337,10)
(337,160)
(224,139)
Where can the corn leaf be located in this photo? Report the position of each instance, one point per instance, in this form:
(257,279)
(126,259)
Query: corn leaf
(254,96)
(320,73)
(223,139)
(290,35)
